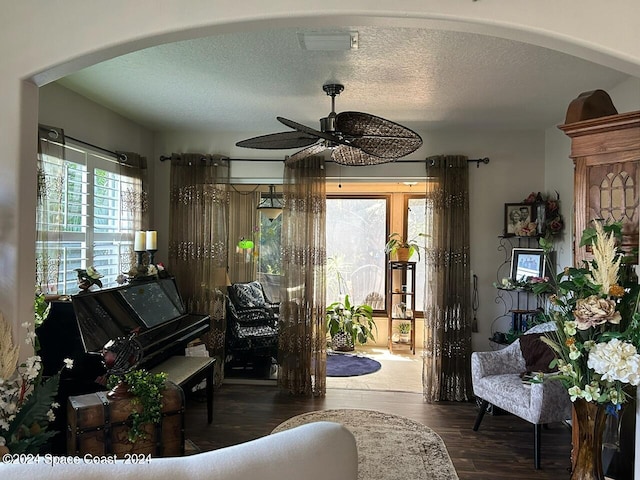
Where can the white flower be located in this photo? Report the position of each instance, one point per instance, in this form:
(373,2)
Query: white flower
(616,360)
(93,273)
(50,415)
(25,324)
(613,396)
(68,363)
(570,328)
(591,392)
(55,405)
(575,392)
(574,353)
(152,270)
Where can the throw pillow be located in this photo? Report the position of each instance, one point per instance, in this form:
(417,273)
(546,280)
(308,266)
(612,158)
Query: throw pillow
(249,295)
(537,354)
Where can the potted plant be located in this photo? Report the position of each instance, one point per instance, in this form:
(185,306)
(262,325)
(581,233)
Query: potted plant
(403,250)
(145,390)
(404,330)
(348,323)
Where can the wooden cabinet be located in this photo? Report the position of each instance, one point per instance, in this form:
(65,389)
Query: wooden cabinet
(606,153)
(401,282)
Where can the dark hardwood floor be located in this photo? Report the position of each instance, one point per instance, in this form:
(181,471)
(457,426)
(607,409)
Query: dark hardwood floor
(501,449)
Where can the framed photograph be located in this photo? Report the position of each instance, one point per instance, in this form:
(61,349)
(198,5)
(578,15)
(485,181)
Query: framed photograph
(527,262)
(516,217)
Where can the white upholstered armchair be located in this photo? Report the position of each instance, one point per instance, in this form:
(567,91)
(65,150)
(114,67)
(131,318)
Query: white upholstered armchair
(496,380)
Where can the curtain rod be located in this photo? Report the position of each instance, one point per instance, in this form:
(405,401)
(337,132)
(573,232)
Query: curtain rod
(477,161)
(120,156)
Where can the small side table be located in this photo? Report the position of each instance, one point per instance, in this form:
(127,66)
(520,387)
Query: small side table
(189,372)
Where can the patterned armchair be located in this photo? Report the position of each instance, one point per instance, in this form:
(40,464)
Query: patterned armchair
(496,378)
(252,323)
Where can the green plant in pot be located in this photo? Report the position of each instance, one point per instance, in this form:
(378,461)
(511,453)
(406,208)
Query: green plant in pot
(145,390)
(403,249)
(404,329)
(348,324)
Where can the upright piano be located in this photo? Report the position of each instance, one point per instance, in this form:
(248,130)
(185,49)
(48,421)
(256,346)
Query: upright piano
(152,310)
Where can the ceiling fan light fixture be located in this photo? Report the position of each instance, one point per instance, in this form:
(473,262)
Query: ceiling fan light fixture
(270,204)
(328,42)
(354,138)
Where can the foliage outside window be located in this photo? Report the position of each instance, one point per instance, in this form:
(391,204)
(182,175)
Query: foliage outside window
(270,256)
(415,225)
(356,230)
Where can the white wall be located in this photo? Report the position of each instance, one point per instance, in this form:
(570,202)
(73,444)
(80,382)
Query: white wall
(43,41)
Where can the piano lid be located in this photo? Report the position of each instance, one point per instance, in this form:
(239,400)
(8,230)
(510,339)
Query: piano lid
(107,314)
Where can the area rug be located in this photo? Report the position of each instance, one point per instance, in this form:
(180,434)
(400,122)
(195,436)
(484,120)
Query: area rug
(345,365)
(390,447)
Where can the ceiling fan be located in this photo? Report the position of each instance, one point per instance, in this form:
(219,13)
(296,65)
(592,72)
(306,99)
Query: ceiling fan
(354,138)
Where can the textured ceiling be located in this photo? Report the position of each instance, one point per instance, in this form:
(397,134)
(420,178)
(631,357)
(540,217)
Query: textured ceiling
(425,79)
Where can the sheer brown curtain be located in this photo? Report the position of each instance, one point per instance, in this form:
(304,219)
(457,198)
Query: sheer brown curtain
(446,372)
(198,240)
(302,337)
(51,144)
(134,204)
(245,223)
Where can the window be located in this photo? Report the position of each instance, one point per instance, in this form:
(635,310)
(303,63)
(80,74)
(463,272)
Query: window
(270,257)
(416,210)
(356,230)
(93,225)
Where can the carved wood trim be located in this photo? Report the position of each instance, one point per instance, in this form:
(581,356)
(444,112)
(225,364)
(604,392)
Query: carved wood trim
(602,147)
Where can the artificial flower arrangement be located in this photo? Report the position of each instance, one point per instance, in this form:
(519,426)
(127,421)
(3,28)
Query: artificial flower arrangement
(595,309)
(508,283)
(88,277)
(27,401)
(140,272)
(552,222)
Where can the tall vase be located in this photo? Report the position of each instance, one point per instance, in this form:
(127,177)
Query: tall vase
(591,419)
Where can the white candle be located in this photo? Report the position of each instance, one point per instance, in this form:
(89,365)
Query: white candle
(139,243)
(152,240)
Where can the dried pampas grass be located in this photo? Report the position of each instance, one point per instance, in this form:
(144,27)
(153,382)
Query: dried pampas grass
(8,351)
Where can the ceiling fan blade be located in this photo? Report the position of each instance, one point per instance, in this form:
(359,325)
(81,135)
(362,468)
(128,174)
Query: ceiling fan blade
(376,135)
(345,155)
(277,141)
(332,137)
(306,152)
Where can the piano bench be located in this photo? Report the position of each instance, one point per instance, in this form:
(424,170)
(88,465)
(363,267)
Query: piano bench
(189,372)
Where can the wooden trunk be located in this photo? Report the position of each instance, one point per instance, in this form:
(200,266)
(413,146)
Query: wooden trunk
(98,425)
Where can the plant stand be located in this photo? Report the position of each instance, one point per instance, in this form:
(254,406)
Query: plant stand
(402,276)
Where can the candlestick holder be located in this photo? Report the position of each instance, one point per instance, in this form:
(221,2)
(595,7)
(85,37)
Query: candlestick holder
(152,254)
(139,254)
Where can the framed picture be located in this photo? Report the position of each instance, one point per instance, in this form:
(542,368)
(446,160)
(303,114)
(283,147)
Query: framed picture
(516,217)
(527,262)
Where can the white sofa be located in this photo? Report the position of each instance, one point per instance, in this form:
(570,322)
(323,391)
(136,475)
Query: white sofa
(313,451)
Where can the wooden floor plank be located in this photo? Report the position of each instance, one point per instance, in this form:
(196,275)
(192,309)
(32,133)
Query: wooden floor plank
(501,449)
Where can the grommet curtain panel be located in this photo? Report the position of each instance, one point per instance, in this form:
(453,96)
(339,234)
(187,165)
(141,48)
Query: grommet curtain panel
(302,332)
(198,219)
(244,223)
(50,182)
(446,374)
(134,201)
